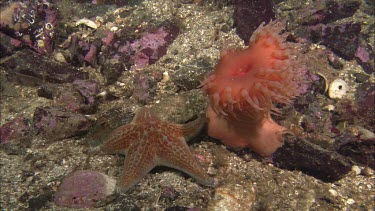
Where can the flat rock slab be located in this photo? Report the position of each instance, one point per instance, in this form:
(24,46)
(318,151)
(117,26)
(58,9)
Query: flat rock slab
(312,159)
(30,68)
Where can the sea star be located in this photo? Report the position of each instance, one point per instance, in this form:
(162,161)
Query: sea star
(148,142)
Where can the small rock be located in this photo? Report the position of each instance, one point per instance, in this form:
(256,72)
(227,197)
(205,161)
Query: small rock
(169,193)
(361,77)
(84,189)
(350,201)
(59,57)
(17,129)
(81,97)
(356,170)
(332,192)
(46,92)
(334,61)
(368,171)
(40,201)
(57,123)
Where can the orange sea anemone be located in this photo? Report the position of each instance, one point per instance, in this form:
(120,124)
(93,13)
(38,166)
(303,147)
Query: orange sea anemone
(245,86)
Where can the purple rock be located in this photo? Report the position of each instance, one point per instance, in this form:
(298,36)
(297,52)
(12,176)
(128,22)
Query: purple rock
(80,97)
(327,11)
(363,56)
(84,189)
(90,57)
(249,14)
(315,22)
(88,90)
(152,46)
(14,130)
(57,123)
(341,39)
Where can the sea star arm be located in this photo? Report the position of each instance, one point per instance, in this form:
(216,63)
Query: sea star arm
(119,140)
(182,159)
(138,162)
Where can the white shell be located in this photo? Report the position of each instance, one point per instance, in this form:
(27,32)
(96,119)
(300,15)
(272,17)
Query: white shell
(338,89)
(87,22)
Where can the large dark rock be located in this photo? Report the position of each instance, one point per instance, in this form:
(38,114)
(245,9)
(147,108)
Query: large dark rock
(359,148)
(311,159)
(8,45)
(29,68)
(249,14)
(342,39)
(328,11)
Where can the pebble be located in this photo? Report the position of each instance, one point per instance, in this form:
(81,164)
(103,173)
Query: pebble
(356,169)
(59,57)
(333,192)
(350,201)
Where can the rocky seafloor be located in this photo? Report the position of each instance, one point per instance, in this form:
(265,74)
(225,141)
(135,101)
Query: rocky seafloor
(74,70)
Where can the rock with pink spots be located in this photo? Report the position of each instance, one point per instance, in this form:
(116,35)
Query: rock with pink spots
(84,189)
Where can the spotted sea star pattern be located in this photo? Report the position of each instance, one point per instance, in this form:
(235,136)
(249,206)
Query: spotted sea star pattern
(147,142)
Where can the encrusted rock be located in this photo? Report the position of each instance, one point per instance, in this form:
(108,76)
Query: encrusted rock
(57,123)
(84,189)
